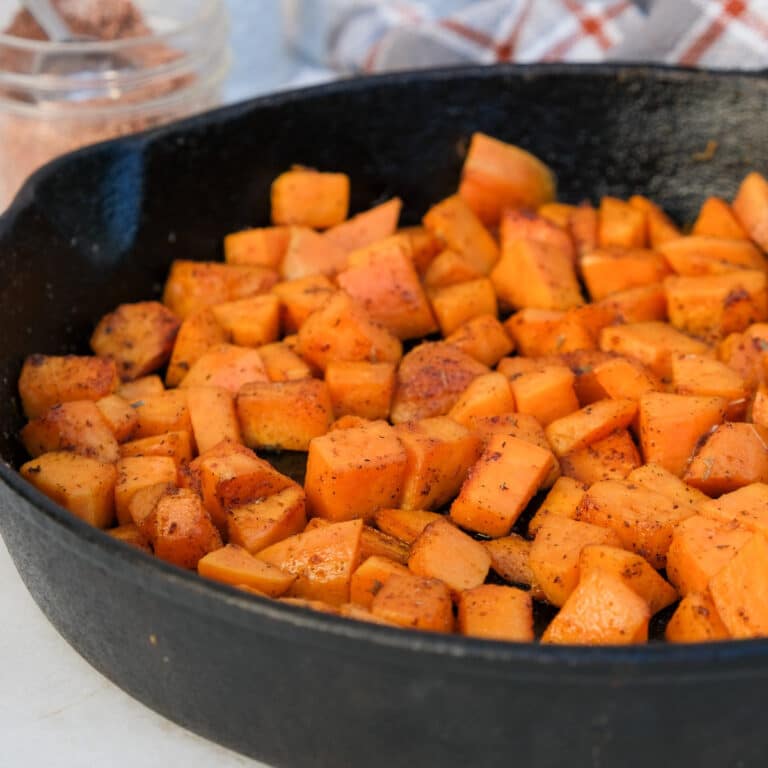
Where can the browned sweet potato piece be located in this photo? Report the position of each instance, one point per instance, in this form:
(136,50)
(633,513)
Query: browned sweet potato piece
(456,304)
(197,333)
(119,416)
(310,198)
(47,380)
(130,534)
(138,337)
(137,472)
(483,338)
(371,576)
(660,480)
(623,378)
(309,254)
(487,395)
(584,226)
(176,445)
(698,255)
(284,415)
(717,219)
(227,366)
(360,388)
(73,426)
(374,542)
(449,268)
(322,560)
(562,501)
(510,559)
(526,225)
(263,246)
(540,332)
(299,298)
(84,486)
(609,270)
(590,425)
(250,322)
(661,229)
(415,602)
(747,507)
(404,524)
(343,462)
(162,413)
(141,507)
(621,224)
(235,566)
(694,375)
(138,389)
(444,552)
(496,613)
(611,458)
(546,394)
(751,208)
(696,620)
(282,364)
(213,416)
(366,227)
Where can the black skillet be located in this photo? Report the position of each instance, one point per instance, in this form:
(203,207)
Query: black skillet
(287,686)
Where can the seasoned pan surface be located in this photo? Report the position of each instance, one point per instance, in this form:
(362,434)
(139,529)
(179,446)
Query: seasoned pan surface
(296,689)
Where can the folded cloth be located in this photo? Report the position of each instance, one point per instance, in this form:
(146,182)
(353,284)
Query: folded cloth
(369,36)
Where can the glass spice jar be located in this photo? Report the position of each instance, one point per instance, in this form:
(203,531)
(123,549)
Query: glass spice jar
(173,66)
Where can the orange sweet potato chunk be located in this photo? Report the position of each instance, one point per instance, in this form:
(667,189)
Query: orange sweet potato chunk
(661,229)
(130,534)
(610,270)
(546,394)
(235,566)
(456,304)
(404,524)
(717,219)
(696,620)
(282,364)
(621,224)
(487,395)
(375,542)
(366,227)
(371,576)
(694,375)
(342,462)
(748,507)
(484,338)
(623,378)
(360,388)
(213,416)
(118,416)
(562,501)
(697,255)
(83,485)
(309,254)
(612,458)
(176,445)
(510,559)
(602,610)
(310,198)
(227,366)
(262,246)
(299,298)
(137,472)
(526,225)
(590,424)
(415,602)
(751,208)
(500,485)
(540,332)
(322,560)
(197,333)
(496,612)
(449,268)
(250,322)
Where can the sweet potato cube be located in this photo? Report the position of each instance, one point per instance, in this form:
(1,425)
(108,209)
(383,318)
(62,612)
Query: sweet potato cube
(227,366)
(195,285)
(310,198)
(510,559)
(646,303)
(284,415)
(342,330)
(751,208)
(712,306)
(702,376)
(360,388)
(455,304)
(746,354)
(547,394)
(612,458)
(282,364)
(340,463)
(322,560)
(497,175)
(672,425)
(661,229)
(487,395)
(118,416)
(382,279)
(424,246)
(656,478)
(717,219)
(366,227)
(652,343)
(584,226)
(197,334)
(558,214)
(697,255)
(621,225)
(696,620)
(643,520)
(636,572)
(309,254)
(449,268)
(84,486)
(444,552)
(609,270)
(415,602)
(145,386)
(500,485)
(301,297)
(268,519)
(250,322)
(138,337)
(748,507)
(602,610)
(404,524)
(141,507)
(484,338)
(590,424)
(495,612)
(131,535)
(430,380)
(740,590)
(47,380)
(182,532)
(457,225)
(213,416)
(534,274)
(561,501)
(262,247)
(236,566)
(163,413)
(73,426)
(137,472)
(554,556)
(700,549)
(623,378)
(539,332)
(371,576)
(176,445)
(526,225)
(439,454)
(376,543)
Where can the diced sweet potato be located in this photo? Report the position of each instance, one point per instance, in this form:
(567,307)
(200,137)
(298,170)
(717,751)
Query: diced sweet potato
(235,566)
(700,548)
(322,560)
(484,338)
(137,472)
(500,485)
(495,612)
(371,576)
(611,458)
(213,416)
(696,620)
(404,524)
(301,297)
(130,534)
(747,507)
(590,425)
(554,557)
(424,245)
(602,610)
(526,225)
(282,364)
(487,395)
(656,478)
(540,332)
(366,227)
(702,376)
(226,366)
(661,229)
(430,380)
(262,247)
(444,552)
(751,208)
(84,486)
(449,268)
(360,388)
(646,303)
(194,285)
(138,337)
(310,198)
(558,214)
(176,445)
(547,394)
(163,413)
(698,255)
(197,334)
(138,389)
(672,425)
(609,270)
(510,559)
(584,226)
(73,426)
(250,322)
(309,254)
(47,380)
(497,175)
(284,415)
(141,507)
(414,602)
(623,378)
(340,463)
(456,304)
(621,225)
(375,542)
(717,219)
(119,416)
(562,501)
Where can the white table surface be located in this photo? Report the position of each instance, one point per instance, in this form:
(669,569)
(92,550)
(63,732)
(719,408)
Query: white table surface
(55,710)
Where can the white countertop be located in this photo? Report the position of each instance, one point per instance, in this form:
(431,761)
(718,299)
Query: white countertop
(55,710)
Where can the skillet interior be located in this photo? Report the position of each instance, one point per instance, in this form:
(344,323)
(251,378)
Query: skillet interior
(100,227)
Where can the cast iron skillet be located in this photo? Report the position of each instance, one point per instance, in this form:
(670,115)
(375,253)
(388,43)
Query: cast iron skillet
(287,686)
